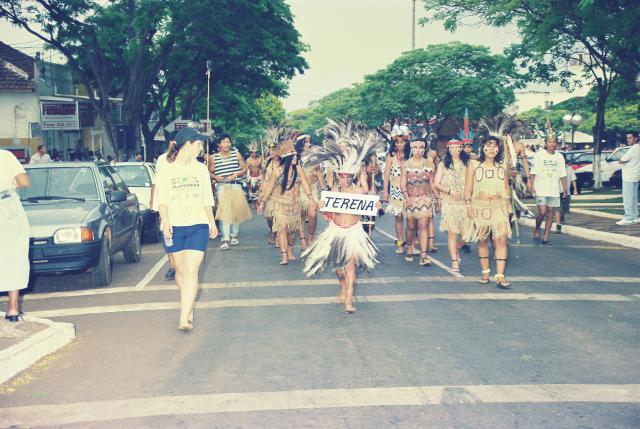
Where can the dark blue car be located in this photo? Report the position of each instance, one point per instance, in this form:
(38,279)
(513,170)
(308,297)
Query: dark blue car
(80,214)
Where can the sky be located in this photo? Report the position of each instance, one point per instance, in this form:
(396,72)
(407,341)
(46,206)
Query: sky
(349,39)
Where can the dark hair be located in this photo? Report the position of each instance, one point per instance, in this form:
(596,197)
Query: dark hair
(500,153)
(448,159)
(224,136)
(172,151)
(394,146)
(286,164)
(40,146)
(299,146)
(634,134)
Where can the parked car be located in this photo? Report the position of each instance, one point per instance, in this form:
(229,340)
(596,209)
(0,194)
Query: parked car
(80,214)
(139,178)
(608,166)
(571,155)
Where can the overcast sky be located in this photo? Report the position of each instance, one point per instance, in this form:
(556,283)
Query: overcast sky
(349,39)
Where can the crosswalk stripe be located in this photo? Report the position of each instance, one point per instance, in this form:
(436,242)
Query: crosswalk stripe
(323,300)
(465,395)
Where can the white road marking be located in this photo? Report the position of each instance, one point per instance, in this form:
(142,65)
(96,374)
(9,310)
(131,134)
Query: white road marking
(169,286)
(466,395)
(152,273)
(323,300)
(435,261)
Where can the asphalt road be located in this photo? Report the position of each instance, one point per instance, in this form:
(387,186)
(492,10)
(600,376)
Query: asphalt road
(425,348)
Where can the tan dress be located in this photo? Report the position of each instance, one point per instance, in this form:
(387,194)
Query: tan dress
(454,213)
(489,199)
(315,188)
(420,201)
(286,205)
(268,205)
(396,199)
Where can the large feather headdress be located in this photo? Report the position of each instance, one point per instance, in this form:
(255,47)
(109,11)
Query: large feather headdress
(502,126)
(347,145)
(282,139)
(253,147)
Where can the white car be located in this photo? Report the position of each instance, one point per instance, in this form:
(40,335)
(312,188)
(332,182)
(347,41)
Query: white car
(139,177)
(608,166)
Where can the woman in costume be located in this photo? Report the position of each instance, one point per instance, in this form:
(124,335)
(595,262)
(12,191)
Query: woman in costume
(227,168)
(450,179)
(396,156)
(487,196)
(272,164)
(315,179)
(416,183)
(285,183)
(343,245)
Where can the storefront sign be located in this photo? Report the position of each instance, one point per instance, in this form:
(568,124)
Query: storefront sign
(356,204)
(59,116)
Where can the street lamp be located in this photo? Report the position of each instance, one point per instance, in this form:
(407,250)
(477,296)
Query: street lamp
(574,120)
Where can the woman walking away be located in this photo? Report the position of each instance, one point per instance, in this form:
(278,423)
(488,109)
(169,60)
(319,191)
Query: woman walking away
(344,245)
(391,185)
(271,167)
(14,230)
(316,182)
(287,209)
(450,179)
(420,199)
(486,196)
(227,169)
(185,202)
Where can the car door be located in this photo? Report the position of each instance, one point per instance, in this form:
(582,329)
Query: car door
(130,207)
(117,209)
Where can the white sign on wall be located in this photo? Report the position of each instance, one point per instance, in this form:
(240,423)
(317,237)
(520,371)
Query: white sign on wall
(59,115)
(356,204)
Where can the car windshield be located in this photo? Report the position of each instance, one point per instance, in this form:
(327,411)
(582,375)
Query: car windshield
(615,156)
(571,156)
(70,183)
(134,175)
(584,159)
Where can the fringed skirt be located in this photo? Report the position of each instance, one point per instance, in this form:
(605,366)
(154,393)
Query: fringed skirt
(453,217)
(286,213)
(492,220)
(396,202)
(337,246)
(268,208)
(420,207)
(304,200)
(232,204)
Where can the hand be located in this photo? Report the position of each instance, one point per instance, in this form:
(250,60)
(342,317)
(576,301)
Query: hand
(213,231)
(321,204)
(260,207)
(471,212)
(456,195)
(378,205)
(313,205)
(409,204)
(533,190)
(167,231)
(575,193)
(438,206)
(385,196)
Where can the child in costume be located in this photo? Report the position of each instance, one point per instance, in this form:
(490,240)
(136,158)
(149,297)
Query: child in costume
(343,245)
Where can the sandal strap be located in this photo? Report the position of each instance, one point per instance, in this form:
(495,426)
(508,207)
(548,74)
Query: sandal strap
(500,259)
(487,271)
(483,257)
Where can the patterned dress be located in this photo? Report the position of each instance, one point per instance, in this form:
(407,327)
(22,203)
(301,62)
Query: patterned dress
(286,205)
(454,212)
(420,201)
(396,199)
(489,199)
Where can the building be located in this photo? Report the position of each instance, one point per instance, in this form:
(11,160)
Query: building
(42,104)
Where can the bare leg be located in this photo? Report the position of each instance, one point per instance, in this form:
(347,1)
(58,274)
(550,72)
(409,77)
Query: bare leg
(432,237)
(291,239)
(312,215)
(399,228)
(187,266)
(548,222)
(423,232)
(542,213)
(454,250)
(12,305)
(350,274)
(283,243)
(501,251)
(412,226)
(483,256)
(343,285)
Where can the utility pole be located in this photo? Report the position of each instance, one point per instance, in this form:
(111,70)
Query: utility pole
(413,26)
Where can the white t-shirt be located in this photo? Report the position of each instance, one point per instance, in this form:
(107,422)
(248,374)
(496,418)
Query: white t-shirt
(631,169)
(548,169)
(36,158)
(10,167)
(185,190)
(161,161)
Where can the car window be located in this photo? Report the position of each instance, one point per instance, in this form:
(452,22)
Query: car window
(134,175)
(78,182)
(584,158)
(615,156)
(117,179)
(107,180)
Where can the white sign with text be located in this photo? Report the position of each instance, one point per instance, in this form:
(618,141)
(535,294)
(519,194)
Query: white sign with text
(356,204)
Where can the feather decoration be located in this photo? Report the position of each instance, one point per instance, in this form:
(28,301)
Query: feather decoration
(502,125)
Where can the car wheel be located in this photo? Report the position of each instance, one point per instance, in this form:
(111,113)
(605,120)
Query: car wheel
(133,250)
(102,273)
(153,234)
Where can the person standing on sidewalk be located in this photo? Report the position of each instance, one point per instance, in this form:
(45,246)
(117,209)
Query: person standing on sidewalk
(227,169)
(40,156)
(185,202)
(630,177)
(14,230)
(548,170)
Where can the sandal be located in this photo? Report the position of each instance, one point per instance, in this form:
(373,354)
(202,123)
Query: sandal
(409,255)
(485,273)
(400,247)
(303,243)
(455,269)
(225,245)
(284,258)
(424,260)
(432,248)
(14,317)
(501,282)
(185,327)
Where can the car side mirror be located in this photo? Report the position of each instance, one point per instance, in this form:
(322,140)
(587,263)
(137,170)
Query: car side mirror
(117,196)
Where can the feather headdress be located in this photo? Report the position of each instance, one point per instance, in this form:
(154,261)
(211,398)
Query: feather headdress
(253,147)
(282,139)
(501,126)
(347,145)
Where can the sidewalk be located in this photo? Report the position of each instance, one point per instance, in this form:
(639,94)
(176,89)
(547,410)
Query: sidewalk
(24,343)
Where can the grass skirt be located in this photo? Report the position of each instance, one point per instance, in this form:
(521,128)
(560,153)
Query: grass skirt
(492,220)
(336,247)
(268,208)
(453,217)
(286,213)
(304,200)
(232,205)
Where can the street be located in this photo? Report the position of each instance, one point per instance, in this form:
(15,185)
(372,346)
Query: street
(425,348)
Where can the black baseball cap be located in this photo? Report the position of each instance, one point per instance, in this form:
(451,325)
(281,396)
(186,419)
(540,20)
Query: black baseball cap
(188,134)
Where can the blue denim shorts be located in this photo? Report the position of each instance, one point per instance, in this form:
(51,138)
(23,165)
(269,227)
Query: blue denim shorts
(548,201)
(193,237)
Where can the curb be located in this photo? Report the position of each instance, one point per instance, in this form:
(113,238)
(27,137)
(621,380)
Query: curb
(21,356)
(592,234)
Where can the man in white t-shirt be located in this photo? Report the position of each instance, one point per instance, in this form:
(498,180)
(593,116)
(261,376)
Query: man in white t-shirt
(630,177)
(40,156)
(548,169)
(161,162)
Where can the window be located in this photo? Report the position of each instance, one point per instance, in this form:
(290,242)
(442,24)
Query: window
(107,180)
(134,175)
(78,182)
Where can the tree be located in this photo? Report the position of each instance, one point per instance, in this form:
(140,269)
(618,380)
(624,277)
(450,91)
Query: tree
(343,103)
(597,34)
(440,80)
